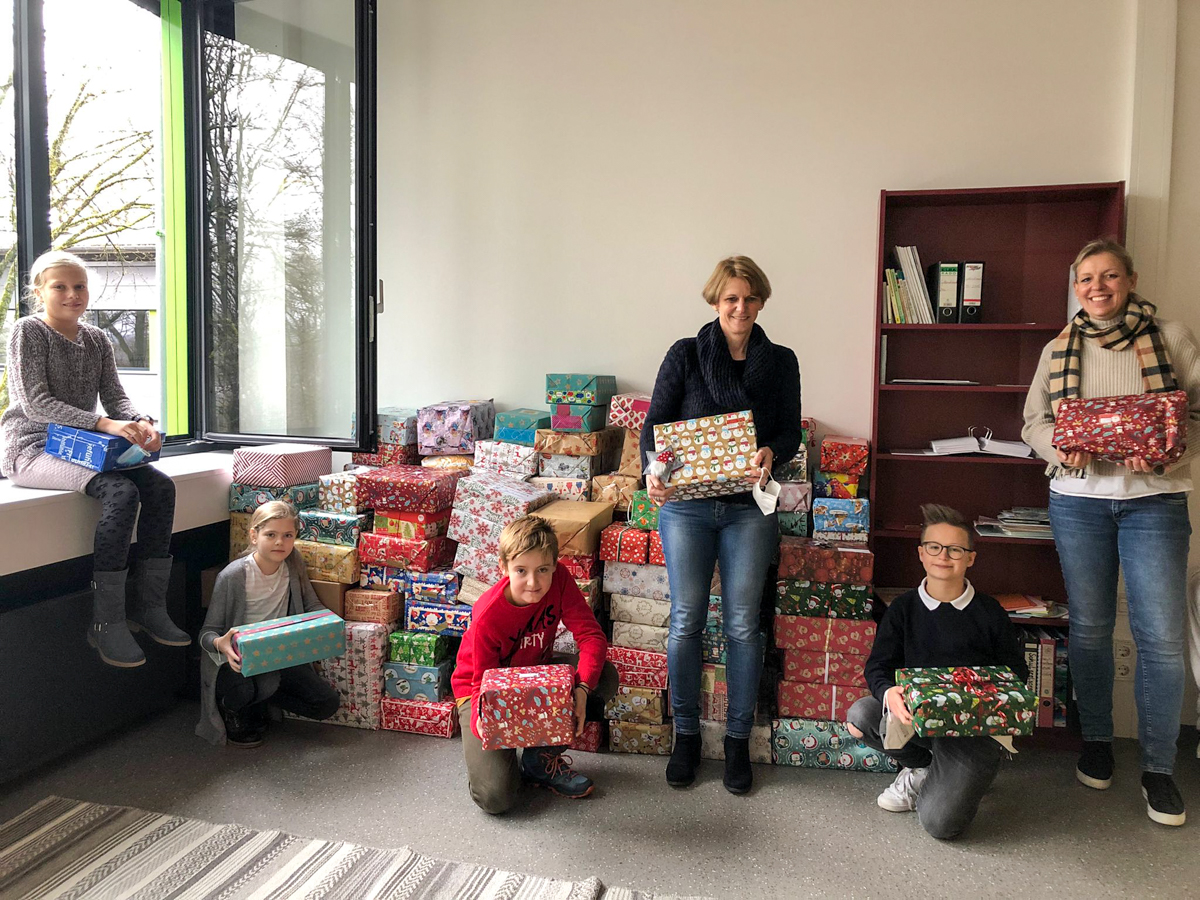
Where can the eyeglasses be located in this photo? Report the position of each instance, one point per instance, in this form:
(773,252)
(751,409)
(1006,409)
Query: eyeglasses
(933,548)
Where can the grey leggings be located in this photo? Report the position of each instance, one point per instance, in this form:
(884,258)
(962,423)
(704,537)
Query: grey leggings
(119,494)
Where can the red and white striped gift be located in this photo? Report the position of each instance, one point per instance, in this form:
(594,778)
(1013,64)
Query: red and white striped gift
(281,465)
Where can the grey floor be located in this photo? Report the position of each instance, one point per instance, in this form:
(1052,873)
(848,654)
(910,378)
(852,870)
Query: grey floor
(800,833)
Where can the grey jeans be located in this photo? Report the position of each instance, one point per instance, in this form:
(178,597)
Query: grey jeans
(961,770)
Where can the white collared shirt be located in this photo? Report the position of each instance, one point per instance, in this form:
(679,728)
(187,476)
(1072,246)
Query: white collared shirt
(960,602)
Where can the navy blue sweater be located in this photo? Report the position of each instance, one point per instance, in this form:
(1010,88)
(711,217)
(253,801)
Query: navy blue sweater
(699,377)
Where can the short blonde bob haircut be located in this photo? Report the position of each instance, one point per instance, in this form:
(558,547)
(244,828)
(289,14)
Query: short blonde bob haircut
(51,259)
(736,267)
(529,533)
(1105,245)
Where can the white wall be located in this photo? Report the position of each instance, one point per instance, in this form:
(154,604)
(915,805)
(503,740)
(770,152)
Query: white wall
(557,179)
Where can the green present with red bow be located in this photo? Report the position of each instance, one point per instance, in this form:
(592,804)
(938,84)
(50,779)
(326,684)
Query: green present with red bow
(968,701)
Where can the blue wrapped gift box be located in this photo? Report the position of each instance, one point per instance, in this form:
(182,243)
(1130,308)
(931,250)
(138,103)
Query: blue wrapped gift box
(407,681)
(519,426)
(94,450)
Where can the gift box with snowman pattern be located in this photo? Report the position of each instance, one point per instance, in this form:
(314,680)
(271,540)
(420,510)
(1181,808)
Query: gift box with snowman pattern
(708,456)
(968,701)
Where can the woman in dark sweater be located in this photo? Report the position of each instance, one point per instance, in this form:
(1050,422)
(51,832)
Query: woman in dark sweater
(728,367)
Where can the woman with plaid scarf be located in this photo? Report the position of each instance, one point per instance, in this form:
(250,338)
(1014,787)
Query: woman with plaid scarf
(1126,516)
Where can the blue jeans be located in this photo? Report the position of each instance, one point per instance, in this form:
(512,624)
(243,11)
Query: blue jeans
(695,534)
(1147,538)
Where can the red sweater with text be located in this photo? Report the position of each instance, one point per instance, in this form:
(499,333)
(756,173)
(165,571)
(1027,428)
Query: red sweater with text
(503,635)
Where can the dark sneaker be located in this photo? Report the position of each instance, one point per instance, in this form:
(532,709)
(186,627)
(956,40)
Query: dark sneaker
(685,757)
(548,767)
(1164,803)
(1095,768)
(242,730)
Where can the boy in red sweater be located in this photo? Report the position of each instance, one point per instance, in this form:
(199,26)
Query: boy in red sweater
(514,624)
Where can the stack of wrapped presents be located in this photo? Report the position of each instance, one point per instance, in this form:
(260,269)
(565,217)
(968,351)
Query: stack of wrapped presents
(795,490)
(577,446)
(840,509)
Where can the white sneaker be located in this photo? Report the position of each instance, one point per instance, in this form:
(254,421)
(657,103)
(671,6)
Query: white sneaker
(901,794)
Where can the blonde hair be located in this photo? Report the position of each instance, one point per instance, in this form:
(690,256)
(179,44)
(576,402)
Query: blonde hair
(269,512)
(1105,245)
(527,534)
(51,259)
(939,514)
(736,267)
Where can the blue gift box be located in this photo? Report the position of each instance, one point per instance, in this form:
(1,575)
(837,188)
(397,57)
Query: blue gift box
(249,497)
(439,586)
(93,450)
(851,516)
(408,681)
(290,641)
(580,388)
(437,618)
(519,426)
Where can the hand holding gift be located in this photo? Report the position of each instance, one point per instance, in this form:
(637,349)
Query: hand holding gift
(896,705)
(224,646)
(763,460)
(581,695)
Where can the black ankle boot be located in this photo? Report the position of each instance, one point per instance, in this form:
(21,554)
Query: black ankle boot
(738,777)
(685,757)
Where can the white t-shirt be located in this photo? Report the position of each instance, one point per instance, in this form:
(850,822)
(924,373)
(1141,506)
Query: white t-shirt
(266,595)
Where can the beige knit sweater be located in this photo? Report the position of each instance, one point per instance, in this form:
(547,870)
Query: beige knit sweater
(1109,373)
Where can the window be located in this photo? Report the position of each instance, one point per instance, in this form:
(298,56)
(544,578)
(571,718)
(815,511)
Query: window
(9,307)
(128,331)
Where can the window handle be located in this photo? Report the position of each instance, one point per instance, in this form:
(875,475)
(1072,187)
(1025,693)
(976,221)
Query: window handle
(379,298)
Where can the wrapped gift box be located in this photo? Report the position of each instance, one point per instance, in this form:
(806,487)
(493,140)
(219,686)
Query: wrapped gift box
(1150,426)
(591,739)
(639,668)
(714,618)
(643,513)
(841,537)
(420,717)
(631,454)
(795,496)
(408,681)
(419,648)
(564,641)
(454,426)
(624,543)
(520,426)
(795,469)
(576,417)
(629,410)
(640,737)
(396,425)
(714,692)
(390,550)
(357,676)
(577,468)
(714,648)
(581,566)
(812,560)
(498,498)
(584,389)
(604,444)
(712,741)
(437,618)
(640,610)
(642,637)
(590,588)
(655,556)
(514,460)
(332,527)
(835,484)
(823,744)
(824,668)
(332,595)
(474,563)
(844,454)
(338,493)
(714,453)
(793,524)
(389,455)
(849,516)
(527,706)
(565,488)
(409,489)
(247,498)
(388,578)
(437,586)
(636,704)
(615,489)
(480,533)
(471,590)
(968,702)
(808,431)
(280,465)
(329,562)
(415,526)
(453,462)
(802,700)
(637,580)
(95,450)
(239,534)
(822,635)
(577,524)
(289,641)
(382,607)
(819,598)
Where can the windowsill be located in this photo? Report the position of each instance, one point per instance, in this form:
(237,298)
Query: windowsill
(39,527)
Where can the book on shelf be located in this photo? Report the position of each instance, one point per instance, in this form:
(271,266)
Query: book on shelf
(913,281)
(1045,651)
(970,293)
(944,287)
(947,293)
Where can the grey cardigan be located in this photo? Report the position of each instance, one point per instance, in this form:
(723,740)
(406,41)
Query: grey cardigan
(226,610)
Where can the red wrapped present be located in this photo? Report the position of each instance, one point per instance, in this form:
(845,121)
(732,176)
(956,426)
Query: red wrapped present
(390,550)
(527,706)
(820,635)
(381,607)
(438,718)
(844,454)
(590,740)
(805,559)
(281,465)
(799,700)
(629,410)
(409,488)
(824,668)
(655,556)
(1152,427)
(624,543)
(580,566)
(416,526)
(639,668)
(389,455)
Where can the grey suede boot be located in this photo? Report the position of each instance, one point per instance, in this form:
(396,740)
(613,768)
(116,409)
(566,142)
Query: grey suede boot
(149,610)
(109,634)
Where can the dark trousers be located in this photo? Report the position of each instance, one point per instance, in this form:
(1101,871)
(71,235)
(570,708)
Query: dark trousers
(961,769)
(298,690)
(492,775)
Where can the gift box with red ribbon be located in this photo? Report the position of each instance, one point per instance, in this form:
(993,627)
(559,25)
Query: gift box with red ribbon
(968,702)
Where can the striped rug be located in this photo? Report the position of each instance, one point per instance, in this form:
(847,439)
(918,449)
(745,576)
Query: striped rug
(67,850)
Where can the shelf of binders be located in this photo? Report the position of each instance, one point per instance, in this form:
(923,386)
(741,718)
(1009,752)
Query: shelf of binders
(985,459)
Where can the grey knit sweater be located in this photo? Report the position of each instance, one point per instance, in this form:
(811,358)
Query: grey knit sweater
(52,379)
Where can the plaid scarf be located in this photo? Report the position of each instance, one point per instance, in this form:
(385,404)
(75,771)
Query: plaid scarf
(1136,327)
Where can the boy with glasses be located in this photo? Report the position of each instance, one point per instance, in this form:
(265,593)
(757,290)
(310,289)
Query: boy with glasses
(943,622)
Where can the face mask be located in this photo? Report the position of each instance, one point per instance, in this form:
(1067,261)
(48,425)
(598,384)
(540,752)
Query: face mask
(132,456)
(767,497)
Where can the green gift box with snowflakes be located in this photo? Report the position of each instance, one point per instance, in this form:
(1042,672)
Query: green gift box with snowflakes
(419,648)
(968,701)
(794,597)
(408,681)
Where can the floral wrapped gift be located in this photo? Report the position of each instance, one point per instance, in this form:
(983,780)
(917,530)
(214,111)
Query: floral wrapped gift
(844,454)
(472,562)
(526,706)
(498,498)
(968,702)
(820,598)
(824,744)
(482,534)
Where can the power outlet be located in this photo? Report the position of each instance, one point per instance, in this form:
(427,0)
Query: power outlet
(1124,659)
